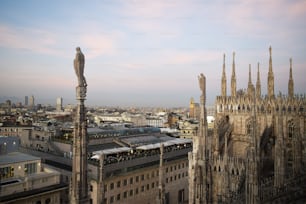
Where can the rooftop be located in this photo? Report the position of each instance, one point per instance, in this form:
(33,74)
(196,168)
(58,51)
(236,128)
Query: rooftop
(15,157)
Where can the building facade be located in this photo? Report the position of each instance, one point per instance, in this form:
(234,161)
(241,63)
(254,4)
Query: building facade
(257,151)
(24,179)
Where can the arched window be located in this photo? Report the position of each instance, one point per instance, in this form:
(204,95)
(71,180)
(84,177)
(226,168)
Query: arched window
(248,128)
(262,108)
(277,108)
(290,129)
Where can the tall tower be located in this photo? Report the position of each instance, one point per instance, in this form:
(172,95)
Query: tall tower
(233,80)
(59,104)
(250,84)
(31,102)
(79,186)
(199,192)
(191,108)
(223,80)
(270,77)
(26,101)
(258,85)
(290,82)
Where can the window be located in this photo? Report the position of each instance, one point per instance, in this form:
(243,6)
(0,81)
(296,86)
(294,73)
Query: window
(125,182)
(152,174)
(48,201)
(131,192)
(249,128)
(148,176)
(112,199)
(125,194)
(181,196)
(136,191)
(91,188)
(112,186)
(118,184)
(290,129)
(30,168)
(142,188)
(137,178)
(118,196)
(152,185)
(7,172)
(142,177)
(148,186)
(131,180)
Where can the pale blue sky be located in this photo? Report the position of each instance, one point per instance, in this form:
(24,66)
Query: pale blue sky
(147,53)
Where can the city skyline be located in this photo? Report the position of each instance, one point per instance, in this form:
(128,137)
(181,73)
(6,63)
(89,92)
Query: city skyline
(144,53)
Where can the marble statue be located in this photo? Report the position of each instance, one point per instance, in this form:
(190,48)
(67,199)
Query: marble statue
(79,62)
(202,82)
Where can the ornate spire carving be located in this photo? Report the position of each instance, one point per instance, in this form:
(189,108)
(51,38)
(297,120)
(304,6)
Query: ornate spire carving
(250,85)
(233,80)
(223,82)
(290,82)
(258,85)
(270,76)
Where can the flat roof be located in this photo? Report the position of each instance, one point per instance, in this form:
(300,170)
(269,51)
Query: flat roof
(16,157)
(176,141)
(110,151)
(146,139)
(143,143)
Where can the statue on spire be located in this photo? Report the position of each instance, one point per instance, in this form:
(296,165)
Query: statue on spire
(79,63)
(202,82)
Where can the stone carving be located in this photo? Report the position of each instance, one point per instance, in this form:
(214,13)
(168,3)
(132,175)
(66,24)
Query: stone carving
(79,62)
(202,82)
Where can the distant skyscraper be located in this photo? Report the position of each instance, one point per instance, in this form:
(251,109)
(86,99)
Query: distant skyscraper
(26,101)
(59,104)
(31,101)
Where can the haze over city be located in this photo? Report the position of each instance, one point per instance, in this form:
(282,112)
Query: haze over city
(147,53)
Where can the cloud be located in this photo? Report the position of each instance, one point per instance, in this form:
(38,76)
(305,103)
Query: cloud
(98,44)
(35,40)
(190,57)
(43,41)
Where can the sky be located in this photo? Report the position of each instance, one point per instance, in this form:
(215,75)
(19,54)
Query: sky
(144,52)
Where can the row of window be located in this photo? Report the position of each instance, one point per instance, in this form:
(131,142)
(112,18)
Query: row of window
(174,167)
(131,180)
(133,192)
(260,108)
(175,177)
(125,182)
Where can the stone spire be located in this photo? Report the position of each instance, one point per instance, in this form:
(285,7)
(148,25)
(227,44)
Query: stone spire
(233,80)
(198,180)
(290,82)
(250,85)
(258,85)
(161,199)
(79,186)
(270,77)
(223,82)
